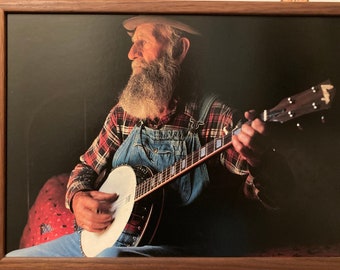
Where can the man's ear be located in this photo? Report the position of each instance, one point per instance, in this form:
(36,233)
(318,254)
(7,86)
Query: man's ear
(185,45)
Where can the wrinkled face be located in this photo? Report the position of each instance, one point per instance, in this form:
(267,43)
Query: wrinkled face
(154,73)
(145,48)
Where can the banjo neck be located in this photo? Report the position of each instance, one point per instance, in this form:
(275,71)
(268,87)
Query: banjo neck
(183,166)
(316,98)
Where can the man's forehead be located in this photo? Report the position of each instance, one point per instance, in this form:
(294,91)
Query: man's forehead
(131,24)
(143,31)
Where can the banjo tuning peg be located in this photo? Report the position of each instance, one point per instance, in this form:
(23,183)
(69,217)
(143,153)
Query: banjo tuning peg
(298,125)
(323,119)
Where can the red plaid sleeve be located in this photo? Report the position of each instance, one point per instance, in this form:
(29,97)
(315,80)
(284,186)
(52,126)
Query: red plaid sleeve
(220,118)
(117,126)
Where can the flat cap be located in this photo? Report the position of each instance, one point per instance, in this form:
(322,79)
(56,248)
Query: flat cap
(131,24)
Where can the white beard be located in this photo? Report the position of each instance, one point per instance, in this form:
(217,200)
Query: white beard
(148,93)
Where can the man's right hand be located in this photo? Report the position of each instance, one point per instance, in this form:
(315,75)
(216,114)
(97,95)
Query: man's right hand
(92,209)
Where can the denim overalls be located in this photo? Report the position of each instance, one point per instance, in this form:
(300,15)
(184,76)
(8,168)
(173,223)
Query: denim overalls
(158,149)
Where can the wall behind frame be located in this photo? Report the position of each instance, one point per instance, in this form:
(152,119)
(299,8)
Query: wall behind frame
(65,71)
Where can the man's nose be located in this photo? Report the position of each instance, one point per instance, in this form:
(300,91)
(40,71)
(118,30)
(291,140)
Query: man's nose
(134,52)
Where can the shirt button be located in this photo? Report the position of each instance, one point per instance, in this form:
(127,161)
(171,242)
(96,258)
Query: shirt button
(155,150)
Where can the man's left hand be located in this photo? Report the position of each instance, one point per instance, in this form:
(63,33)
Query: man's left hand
(250,142)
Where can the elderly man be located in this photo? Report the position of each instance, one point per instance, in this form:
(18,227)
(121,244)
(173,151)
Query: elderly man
(154,126)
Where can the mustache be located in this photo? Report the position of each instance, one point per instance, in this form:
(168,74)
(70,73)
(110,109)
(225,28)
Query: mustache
(138,63)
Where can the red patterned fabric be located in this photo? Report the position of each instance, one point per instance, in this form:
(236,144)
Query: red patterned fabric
(48,218)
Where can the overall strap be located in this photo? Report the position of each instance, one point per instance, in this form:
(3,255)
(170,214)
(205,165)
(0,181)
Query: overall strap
(205,105)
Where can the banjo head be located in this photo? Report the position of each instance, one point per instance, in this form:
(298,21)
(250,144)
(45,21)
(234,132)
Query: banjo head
(122,180)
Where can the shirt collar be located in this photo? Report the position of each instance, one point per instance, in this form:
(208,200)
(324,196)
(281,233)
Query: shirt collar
(178,107)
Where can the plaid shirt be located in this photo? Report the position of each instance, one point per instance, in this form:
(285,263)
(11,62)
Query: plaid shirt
(118,126)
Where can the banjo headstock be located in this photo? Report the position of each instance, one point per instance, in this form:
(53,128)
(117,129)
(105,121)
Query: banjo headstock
(316,98)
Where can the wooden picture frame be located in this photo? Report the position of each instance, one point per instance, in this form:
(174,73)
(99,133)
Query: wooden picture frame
(137,7)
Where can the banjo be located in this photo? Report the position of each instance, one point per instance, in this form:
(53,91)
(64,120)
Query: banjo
(136,216)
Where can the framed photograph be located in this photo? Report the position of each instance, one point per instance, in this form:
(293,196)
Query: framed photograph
(64,63)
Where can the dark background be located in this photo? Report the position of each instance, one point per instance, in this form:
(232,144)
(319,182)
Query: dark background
(65,71)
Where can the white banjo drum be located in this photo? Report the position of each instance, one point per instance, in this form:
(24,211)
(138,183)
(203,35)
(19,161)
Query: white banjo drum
(123,182)
(135,220)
